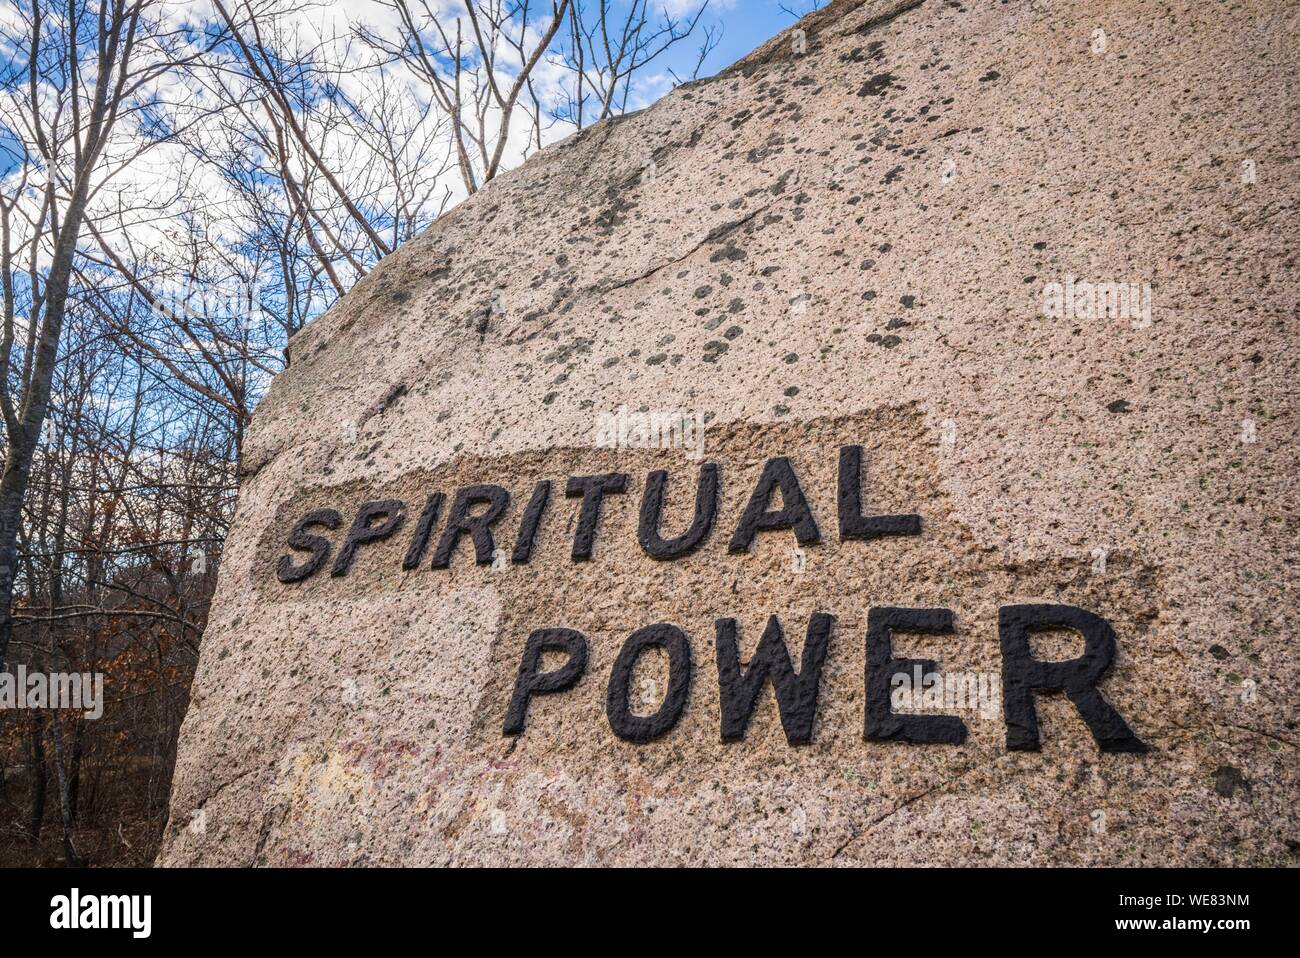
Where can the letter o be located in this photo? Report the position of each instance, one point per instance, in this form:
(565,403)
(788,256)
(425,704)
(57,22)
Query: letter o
(637,728)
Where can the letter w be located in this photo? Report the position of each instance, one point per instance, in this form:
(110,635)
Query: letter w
(796,694)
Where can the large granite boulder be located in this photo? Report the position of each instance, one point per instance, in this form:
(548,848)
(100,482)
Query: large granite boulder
(959,332)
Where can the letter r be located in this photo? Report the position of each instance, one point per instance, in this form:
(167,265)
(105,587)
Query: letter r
(1023,675)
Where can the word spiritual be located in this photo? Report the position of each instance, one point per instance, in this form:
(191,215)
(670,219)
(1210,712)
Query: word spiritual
(381,519)
(476,508)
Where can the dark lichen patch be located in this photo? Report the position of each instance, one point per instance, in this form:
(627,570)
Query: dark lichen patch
(990,76)
(566,352)
(1228,781)
(731,253)
(889,342)
(713,349)
(877,85)
(872,52)
(395,392)
(612,216)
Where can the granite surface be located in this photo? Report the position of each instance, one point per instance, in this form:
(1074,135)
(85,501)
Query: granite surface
(886,231)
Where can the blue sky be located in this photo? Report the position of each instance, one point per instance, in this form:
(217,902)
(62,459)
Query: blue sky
(10,151)
(747,24)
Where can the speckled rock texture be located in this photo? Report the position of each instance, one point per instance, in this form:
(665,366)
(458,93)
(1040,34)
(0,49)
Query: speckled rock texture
(853,244)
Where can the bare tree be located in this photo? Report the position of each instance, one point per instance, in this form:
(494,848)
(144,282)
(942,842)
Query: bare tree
(483,63)
(328,163)
(79,73)
(132,488)
(474,63)
(800,10)
(604,51)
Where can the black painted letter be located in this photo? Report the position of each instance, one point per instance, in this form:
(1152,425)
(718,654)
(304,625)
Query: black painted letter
(652,506)
(532,681)
(796,694)
(618,708)
(853,524)
(592,489)
(392,511)
(1022,675)
(423,529)
(882,723)
(532,520)
(479,527)
(793,514)
(318,546)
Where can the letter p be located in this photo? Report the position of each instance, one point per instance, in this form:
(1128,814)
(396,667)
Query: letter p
(531,680)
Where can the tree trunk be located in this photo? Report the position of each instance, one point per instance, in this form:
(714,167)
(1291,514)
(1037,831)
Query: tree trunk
(13,485)
(37,766)
(26,432)
(65,806)
(74,779)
